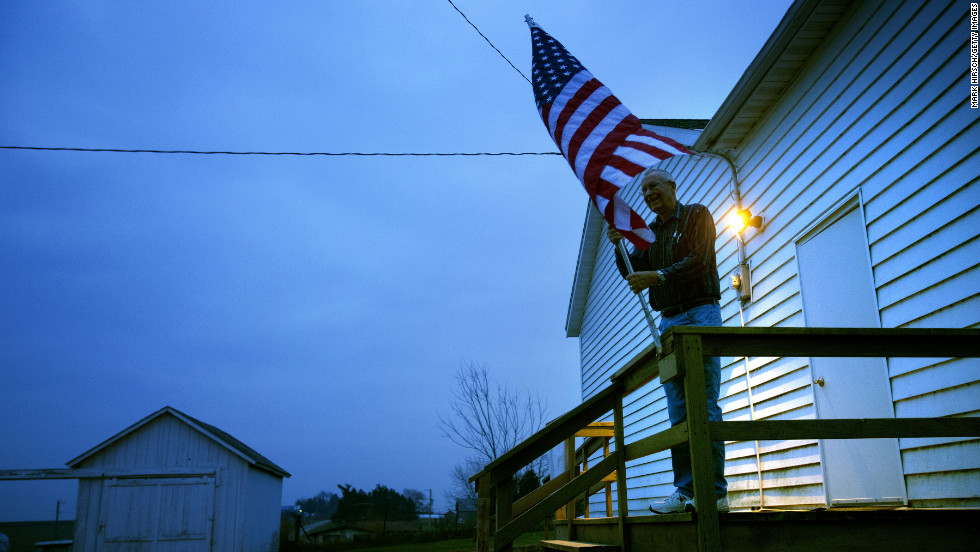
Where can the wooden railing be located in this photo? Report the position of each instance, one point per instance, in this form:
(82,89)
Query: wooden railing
(502,520)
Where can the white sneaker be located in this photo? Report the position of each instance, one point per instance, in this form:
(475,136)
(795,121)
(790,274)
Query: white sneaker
(722,504)
(672,504)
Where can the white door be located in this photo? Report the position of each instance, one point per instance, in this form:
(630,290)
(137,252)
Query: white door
(157,515)
(838,291)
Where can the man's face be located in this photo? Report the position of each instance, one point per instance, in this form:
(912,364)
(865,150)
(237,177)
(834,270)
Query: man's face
(658,193)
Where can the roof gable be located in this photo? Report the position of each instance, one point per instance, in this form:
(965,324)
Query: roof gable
(805,27)
(235,446)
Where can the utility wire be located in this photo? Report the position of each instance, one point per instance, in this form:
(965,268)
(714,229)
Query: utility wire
(405,154)
(488,41)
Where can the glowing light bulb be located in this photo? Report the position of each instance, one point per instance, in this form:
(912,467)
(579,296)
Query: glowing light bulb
(736,221)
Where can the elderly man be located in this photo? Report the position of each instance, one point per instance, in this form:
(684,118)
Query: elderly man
(681,274)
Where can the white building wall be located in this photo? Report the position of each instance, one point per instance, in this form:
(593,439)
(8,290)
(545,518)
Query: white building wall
(882,112)
(923,213)
(879,112)
(262,511)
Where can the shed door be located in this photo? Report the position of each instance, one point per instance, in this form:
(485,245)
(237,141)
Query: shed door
(838,291)
(157,515)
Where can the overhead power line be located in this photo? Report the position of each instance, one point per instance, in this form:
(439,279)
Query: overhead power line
(325,153)
(322,153)
(488,41)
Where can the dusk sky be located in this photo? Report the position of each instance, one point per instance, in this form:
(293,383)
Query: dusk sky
(316,308)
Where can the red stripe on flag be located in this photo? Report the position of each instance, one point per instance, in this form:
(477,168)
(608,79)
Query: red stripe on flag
(588,125)
(635,222)
(545,111)
(604,188)
(593,180)
(573,104)
(605,149)
(625,165)
(647,148)
(664,139)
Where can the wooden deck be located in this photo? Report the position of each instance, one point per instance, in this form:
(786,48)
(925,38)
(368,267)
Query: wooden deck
(841,529)
(501,519)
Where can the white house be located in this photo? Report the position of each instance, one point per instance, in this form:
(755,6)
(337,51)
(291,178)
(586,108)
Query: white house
(851,133)
(172,482)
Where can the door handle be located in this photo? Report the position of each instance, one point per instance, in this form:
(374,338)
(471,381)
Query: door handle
(819,381)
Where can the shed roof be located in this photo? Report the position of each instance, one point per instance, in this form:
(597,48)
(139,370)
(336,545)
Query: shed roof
(234,445)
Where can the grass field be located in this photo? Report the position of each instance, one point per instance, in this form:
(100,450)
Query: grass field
(23,534)
(526,543)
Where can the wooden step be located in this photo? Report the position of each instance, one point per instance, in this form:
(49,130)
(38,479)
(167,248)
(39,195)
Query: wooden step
(570,546)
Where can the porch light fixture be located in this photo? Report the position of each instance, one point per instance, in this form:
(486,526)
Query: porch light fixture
(742,219)
(741,278)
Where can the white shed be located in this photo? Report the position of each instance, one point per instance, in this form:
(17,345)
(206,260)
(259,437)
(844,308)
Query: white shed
(171,482)
(852,134)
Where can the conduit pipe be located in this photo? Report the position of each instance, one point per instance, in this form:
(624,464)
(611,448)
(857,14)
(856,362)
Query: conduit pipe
(744,275)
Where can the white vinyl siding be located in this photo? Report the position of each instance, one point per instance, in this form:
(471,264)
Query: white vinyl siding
(879,112)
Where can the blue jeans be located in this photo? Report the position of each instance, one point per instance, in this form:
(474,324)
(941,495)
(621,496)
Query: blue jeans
(705,315)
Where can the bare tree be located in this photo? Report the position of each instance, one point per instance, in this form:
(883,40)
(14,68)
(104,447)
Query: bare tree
(488,419)
(462,491)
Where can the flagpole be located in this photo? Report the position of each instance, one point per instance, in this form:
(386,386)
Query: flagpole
(647,311)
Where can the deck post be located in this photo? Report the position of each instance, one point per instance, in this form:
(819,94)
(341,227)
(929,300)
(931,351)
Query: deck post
(609,500)
(571,466)
(585,468)
(689,358)
(621,486)
(483,514)
(505,511)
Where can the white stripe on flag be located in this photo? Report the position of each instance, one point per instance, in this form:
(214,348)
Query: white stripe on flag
(571,87)
(634,155)
(659,144)
(622,212)
(645,234)
(600,203)
(596,137)
(615,176)
(584,110)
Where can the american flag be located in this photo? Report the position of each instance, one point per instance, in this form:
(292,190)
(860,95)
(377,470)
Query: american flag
(603,142)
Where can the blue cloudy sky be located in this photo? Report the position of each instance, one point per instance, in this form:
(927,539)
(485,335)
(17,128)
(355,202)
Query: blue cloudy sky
(314,307)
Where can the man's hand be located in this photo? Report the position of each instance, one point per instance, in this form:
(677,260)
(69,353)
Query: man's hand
(613,235)
(639,281)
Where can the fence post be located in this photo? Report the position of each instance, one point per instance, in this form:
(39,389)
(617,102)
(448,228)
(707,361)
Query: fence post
(609,499)
(483,514)
(585,468)
(687,347)
(505,509)
(571,466)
